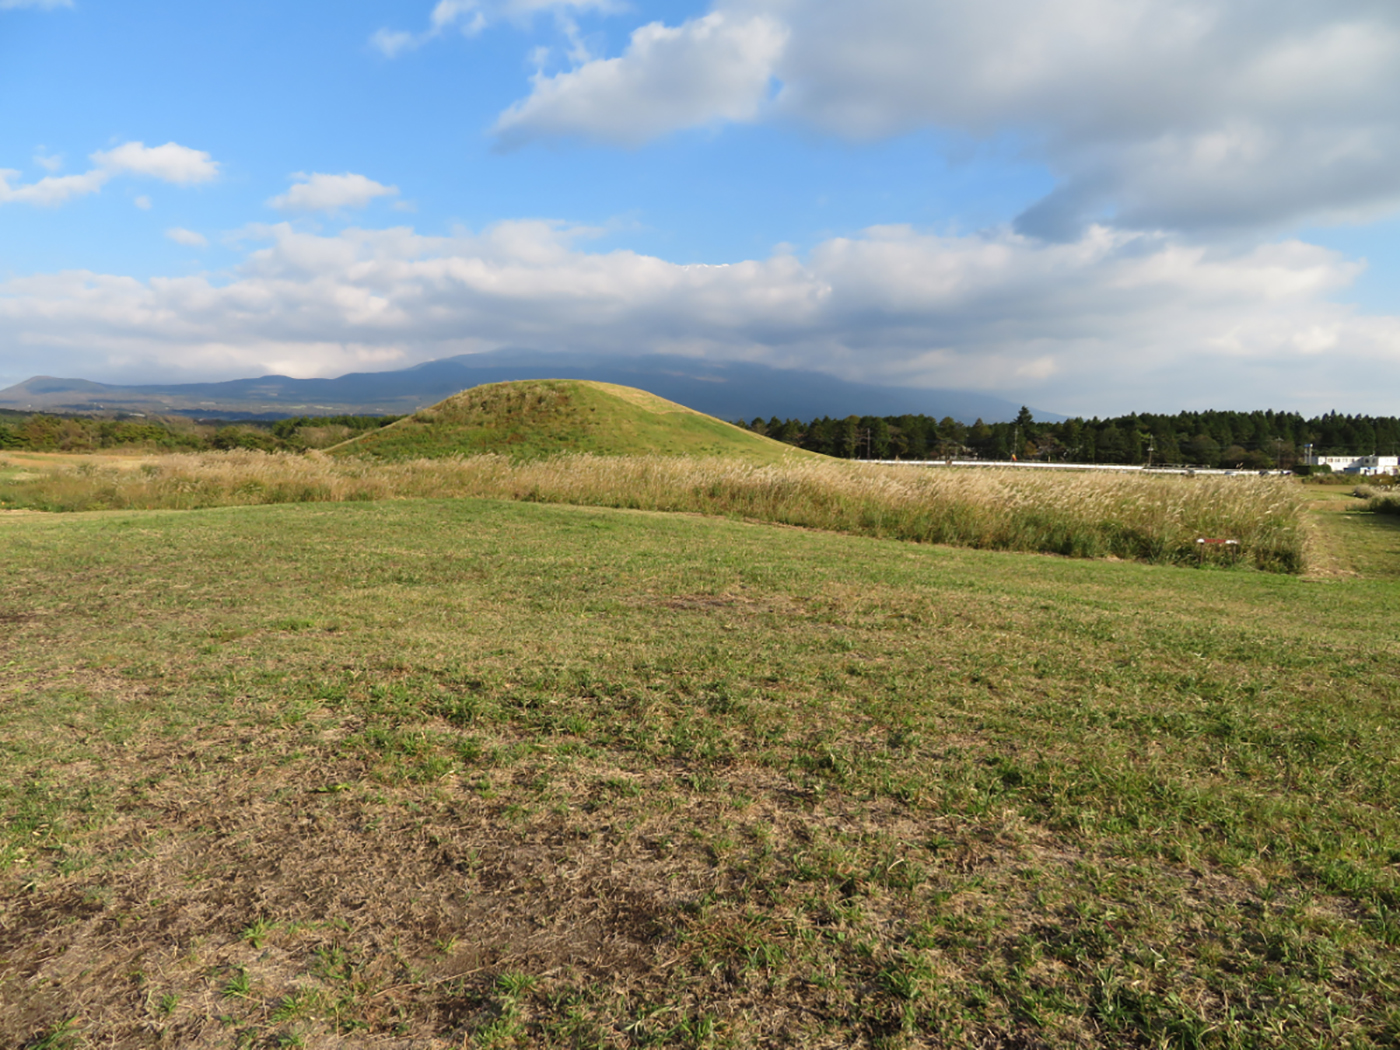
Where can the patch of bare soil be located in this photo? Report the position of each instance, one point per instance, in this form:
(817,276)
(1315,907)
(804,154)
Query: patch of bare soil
(226,907)
(218,904)
(411,903)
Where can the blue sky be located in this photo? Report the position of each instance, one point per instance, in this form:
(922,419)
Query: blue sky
(1090,205)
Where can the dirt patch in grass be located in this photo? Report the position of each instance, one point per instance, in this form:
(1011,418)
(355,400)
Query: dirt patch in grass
(417,900)
(398,924)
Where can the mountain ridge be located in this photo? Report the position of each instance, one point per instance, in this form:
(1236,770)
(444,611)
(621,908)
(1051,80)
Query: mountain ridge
(724,389)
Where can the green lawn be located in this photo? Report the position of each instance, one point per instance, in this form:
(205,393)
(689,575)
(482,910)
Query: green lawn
(473,773)
(1358,541)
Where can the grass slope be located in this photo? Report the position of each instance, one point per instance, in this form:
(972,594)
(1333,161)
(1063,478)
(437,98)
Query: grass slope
(531,419)
(457,773)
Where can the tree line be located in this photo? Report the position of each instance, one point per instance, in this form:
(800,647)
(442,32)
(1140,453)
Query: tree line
(1249,440)
(1246,440)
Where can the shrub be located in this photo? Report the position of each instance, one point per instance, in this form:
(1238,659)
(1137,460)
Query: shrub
(1384,504)
(227,438)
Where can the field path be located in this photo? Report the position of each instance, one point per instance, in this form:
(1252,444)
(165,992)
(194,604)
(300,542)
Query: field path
(1347,541)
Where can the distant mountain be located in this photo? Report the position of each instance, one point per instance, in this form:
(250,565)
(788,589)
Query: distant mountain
(727,389)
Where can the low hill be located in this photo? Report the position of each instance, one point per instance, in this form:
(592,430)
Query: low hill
(531,419)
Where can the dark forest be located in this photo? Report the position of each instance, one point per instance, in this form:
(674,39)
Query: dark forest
(1245,440)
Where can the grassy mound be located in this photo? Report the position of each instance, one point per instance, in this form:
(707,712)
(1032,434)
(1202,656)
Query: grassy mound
(533,419)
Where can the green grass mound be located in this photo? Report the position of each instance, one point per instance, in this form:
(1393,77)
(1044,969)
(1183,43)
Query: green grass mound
(533,419)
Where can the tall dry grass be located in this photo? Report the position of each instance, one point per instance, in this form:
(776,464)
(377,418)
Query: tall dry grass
(1148,518)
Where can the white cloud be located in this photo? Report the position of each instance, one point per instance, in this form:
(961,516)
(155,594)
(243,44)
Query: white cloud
(189,238)
(51,190)
(470,17)
(392,42)
(1109,322)
(143,202)
(465,13)
(50,162)
(713,68)
(42,5)
(319,192)
(170,163)
(1184,114)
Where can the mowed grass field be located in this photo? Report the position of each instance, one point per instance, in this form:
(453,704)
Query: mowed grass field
(466,773)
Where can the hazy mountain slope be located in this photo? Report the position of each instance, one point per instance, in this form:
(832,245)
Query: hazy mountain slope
(725,389)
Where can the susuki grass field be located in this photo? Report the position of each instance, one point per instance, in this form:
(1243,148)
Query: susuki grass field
(464,772)
(1148,518)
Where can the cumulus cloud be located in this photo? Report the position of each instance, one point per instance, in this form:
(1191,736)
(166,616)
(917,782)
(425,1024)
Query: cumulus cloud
(718,67)
(51,190)
(189,238)
(318,192)
(169,163)
(1179,114)
(1108,322)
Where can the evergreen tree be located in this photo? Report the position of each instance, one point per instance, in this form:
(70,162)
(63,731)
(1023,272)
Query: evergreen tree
(850,436)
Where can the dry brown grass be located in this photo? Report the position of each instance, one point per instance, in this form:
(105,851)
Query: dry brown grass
(1154,519)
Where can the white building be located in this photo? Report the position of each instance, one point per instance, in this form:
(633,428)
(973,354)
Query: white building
(1356,464)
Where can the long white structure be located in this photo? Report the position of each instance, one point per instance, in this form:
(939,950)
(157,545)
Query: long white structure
(1122,468)
(1356,464)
